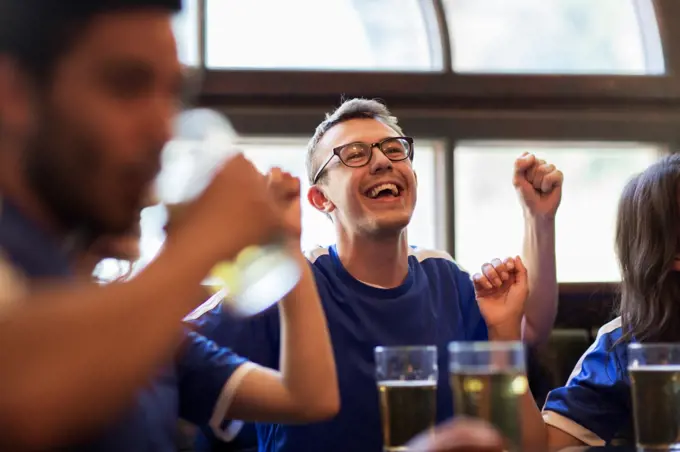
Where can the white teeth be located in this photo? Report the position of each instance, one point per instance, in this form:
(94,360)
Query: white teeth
(374,191)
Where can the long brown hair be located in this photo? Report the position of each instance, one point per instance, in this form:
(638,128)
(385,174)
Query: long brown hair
(647,244)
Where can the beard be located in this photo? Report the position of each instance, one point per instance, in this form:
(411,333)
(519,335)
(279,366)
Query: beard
(57,167)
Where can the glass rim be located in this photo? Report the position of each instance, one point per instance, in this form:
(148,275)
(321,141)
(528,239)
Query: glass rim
(485,346)
(404,348)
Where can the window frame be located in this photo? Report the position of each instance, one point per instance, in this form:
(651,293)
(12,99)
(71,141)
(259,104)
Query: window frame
(450,107)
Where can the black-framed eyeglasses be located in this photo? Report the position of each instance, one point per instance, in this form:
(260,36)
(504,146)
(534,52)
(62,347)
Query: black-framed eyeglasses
(355,155)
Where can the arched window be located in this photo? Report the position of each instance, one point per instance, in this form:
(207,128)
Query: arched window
(554,37)
(377,35)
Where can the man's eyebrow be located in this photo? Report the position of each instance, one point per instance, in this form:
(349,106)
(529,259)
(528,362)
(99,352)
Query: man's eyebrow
(358,141)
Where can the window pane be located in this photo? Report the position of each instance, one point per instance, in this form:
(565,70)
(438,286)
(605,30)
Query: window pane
(311,34)
(317,229)
(489,220)
(555,36)
(185,25)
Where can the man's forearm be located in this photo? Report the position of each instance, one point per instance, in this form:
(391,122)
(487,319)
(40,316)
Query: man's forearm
(74,357)
(307,362)
(539,258)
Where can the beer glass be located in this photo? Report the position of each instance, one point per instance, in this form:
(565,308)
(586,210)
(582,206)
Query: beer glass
(488,380)
(654,371)
(260,275)
(407,386)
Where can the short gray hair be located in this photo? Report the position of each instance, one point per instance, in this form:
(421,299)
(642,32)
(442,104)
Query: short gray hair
(356,108)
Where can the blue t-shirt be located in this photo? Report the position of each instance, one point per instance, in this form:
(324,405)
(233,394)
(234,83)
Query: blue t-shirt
(433,306)
(595,404)
(190,387)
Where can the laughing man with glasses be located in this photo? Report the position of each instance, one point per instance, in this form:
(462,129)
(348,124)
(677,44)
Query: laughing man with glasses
(377,290)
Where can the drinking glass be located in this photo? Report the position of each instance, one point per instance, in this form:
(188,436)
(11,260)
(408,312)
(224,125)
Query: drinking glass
(488,380)
(407,386)
(260,275)
(654,371)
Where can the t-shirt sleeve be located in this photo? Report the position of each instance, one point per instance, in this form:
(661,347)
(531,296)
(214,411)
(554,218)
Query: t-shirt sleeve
(473,321)
(209,376)
(593,405)
(256,338)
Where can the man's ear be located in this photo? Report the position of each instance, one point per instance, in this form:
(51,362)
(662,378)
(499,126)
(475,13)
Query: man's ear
(317,198)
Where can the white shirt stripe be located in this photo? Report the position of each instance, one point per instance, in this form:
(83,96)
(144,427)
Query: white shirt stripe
(217,420)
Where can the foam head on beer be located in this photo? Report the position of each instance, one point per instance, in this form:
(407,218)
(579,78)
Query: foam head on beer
(89,89)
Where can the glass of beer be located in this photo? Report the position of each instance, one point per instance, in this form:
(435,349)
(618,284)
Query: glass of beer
(260,275)
(407,386)
(488,380)
(654,371)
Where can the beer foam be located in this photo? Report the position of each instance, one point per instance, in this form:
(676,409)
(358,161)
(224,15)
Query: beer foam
(408,383)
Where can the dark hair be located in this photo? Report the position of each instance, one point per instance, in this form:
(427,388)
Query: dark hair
(357,108)
(647,243)
(36,33)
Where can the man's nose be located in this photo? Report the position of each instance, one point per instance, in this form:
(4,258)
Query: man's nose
(379,162)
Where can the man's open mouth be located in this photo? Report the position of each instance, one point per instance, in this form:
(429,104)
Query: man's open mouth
(385,190)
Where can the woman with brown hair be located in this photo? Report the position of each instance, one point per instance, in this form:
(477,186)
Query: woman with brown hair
(595,407)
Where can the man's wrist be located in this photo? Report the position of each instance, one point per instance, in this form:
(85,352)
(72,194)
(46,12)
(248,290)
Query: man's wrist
(539,220)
